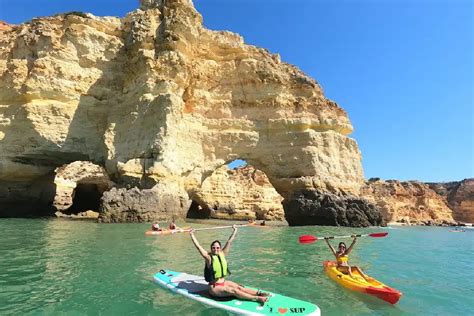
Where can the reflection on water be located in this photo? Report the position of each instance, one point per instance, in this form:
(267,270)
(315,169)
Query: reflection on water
(59,266)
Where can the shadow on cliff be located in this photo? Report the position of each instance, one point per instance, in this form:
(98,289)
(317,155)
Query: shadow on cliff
(24,148)
(120,118)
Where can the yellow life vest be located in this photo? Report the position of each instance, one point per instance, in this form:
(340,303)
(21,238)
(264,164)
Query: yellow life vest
(218,268)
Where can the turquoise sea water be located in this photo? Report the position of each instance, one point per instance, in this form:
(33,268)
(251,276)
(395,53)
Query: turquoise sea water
(51,267)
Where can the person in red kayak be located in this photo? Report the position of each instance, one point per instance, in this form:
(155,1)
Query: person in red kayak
(215,271)
(342,258)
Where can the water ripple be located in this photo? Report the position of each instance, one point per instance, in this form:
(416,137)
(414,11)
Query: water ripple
(63,267)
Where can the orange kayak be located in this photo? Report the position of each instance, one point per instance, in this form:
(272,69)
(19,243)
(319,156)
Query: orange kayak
(168,231)
(359,284)
(255,224)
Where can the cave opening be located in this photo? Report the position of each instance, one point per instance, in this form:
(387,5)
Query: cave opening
(196,211)
(86,197)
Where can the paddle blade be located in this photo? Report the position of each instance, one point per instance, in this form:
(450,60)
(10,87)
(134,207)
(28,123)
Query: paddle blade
(307,239)
(378,234)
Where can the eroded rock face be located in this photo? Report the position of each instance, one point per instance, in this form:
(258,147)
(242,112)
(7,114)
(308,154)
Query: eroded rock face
(157,99)
(33,198)
(163,202)
(408,202)
(308,207)
(459,196)
(242,193)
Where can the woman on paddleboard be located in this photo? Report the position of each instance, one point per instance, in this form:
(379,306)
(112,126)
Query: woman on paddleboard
(342,258)
(215,271)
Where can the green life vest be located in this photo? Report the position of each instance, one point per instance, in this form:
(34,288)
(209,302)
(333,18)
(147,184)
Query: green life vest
(218,268)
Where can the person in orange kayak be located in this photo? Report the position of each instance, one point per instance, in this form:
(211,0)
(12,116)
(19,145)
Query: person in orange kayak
(342,258)
(216,269)
(155,227)
(172,225)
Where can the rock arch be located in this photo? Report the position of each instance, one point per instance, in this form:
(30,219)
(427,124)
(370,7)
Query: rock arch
(79,187)
(162,102)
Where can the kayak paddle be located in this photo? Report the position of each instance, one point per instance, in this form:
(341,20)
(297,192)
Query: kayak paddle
(308,239)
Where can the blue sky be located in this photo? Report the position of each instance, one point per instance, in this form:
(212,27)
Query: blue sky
(403,70)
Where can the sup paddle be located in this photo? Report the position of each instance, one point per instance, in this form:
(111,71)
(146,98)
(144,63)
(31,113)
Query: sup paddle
(222,227)
(308,239)
(188,229)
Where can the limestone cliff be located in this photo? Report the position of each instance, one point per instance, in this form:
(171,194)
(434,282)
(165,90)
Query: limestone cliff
(409,202)
(459,196)
(242,193)
(161,102)
(5,26)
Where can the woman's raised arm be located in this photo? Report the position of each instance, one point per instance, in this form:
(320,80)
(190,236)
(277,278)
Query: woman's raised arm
(201,250)
(229,242)
(348,251)
(330,247)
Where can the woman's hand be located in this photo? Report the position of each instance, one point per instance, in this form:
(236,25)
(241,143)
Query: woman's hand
(229,242)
